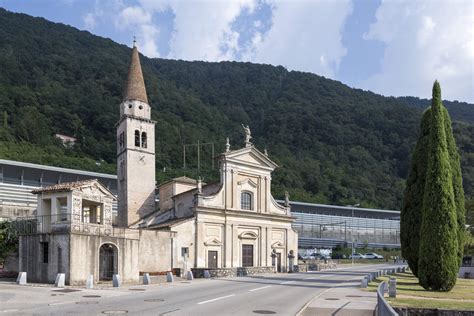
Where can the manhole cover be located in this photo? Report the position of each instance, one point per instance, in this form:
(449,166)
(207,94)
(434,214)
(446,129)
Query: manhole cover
(266,312)
(66,291)
(353,295)
(118,311)
(154,300)
(90,296)
(331,299)
(87,302)
(136,289)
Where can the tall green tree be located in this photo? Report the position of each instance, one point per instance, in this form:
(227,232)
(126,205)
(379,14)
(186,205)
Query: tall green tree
(411,214)
(438,256)
(455,163)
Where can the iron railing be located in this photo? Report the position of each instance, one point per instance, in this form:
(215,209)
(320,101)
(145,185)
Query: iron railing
(66,223)
(383,307)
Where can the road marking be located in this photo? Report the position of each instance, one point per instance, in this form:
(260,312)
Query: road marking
(59,303)
(216,299)
(260,288)
(9,310)
(287,282)
(320,276)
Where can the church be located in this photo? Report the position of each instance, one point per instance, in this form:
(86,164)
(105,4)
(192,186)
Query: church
(229,227)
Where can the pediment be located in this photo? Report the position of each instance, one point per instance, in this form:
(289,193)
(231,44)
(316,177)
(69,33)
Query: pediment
(248,181)
(213,242)
(248,235)
(278,244)
(251,156)
(95,188)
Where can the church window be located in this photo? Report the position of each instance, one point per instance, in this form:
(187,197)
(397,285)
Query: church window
(246,201)
(143,139)
(137,138)
(45,251)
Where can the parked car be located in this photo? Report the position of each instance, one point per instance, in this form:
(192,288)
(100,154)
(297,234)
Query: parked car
(357,255)
(338,256)
(373,255)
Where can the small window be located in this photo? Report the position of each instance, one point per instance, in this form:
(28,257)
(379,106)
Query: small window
(184,252)
(45,251)
(121,140)
(246,201)
(137,138)
(143,139)
(140,107)
(130,106)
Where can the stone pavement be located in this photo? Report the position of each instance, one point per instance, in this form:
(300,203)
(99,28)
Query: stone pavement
(342,301)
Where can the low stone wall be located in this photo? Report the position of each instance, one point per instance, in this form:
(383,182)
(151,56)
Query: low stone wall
(431,312)
(231,272)
(300,268)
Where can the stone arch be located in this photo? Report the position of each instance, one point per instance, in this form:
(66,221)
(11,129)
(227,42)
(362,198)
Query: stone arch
(108,261)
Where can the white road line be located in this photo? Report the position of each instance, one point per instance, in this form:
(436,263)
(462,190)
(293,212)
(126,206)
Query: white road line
(9,310)
(260,288)
(287,282)
(59,303)
(320,276)
(216,299)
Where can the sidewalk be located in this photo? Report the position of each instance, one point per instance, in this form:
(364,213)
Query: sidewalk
(342,301)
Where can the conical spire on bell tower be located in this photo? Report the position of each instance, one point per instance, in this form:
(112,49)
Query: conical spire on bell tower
(135,89)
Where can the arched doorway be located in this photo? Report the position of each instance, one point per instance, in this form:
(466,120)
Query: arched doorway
(107,262)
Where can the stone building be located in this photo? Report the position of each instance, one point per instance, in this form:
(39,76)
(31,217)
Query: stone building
(232,224)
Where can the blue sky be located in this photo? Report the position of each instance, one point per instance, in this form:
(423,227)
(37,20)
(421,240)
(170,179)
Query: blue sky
(390,47)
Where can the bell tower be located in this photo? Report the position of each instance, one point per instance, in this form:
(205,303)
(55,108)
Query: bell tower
(135,149)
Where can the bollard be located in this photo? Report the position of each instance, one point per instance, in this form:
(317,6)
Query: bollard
(169,277)
(90,282)
(189,275)
(116,281)
(392,287)
(207,275)
(60,280)
(146,278)
(385,287)
(364,283)
(369,277)
(21,279)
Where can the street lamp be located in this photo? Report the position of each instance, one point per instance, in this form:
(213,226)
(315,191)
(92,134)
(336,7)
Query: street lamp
(352,229)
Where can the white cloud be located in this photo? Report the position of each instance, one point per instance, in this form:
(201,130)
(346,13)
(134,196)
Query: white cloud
(425,40)
(305,35)
(89,21)
(141,21)
(202,29)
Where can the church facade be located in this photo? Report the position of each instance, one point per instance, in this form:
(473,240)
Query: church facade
(233,223)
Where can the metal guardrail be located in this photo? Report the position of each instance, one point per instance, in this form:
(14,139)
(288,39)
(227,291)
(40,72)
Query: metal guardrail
(383,307)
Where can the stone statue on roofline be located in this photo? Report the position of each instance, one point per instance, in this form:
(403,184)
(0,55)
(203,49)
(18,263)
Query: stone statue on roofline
(287,199)
(248,135)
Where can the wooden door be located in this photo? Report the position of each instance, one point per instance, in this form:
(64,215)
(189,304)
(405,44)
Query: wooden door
(212,259)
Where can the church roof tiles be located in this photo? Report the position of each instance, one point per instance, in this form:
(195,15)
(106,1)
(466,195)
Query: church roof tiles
(135,89)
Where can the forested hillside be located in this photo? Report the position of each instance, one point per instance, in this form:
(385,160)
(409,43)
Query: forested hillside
(334,144)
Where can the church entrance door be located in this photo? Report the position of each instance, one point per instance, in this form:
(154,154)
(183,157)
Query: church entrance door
(107,262)
(278,259)
(247,255)
(212,259)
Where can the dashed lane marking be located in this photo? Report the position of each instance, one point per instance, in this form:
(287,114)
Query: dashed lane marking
(259,288)
(216,299)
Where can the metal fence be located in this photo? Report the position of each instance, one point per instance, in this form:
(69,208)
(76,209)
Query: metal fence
(383,307)
(64,223)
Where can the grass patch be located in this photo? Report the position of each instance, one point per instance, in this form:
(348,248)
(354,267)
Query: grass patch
(411,294)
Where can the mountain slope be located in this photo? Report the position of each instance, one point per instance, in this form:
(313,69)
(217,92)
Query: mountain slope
(334,144)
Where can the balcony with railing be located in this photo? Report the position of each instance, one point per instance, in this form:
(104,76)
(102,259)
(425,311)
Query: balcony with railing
(68,223)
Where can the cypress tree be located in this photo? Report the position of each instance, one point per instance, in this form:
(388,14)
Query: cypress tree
(438,256)
(458,190)
(411,214)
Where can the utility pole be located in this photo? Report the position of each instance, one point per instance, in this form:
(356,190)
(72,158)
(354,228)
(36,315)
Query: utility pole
(352,230)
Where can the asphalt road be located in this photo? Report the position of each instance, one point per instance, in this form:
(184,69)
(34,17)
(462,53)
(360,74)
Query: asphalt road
(282,294)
